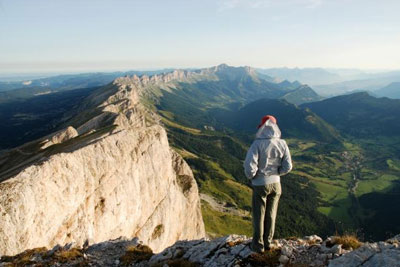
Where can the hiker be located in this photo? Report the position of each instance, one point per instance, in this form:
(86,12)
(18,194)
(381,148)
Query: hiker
(267,159)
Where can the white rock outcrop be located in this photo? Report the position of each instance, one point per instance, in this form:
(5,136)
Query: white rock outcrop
(60,137)
(372,254)
(118,177)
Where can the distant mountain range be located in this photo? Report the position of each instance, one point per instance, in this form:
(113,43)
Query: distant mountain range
(71,81)
(391,91)
(305,75)
(331,82)
(244,76)
(12,90)
(360,114)
(325,81)
(372,84)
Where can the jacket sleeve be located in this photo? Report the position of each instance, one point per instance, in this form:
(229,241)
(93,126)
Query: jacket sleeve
(251,162)
(286,165)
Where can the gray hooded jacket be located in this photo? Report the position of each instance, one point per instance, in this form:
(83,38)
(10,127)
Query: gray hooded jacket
(268,157)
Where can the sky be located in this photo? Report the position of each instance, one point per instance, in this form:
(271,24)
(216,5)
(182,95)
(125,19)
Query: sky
(104,35)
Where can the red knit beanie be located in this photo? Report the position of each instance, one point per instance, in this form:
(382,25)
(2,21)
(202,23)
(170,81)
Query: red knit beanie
(265,118)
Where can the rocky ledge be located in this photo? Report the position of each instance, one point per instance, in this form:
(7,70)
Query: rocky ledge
(232,250)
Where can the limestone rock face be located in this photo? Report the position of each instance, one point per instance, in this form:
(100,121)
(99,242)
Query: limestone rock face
(60,137)
(118,177)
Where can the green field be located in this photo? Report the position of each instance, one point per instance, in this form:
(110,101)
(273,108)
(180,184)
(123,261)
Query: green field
(379,184)
(393,164)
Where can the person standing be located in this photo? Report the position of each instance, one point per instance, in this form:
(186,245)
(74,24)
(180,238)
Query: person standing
(267,159)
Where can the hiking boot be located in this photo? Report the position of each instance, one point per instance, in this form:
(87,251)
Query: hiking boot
(256,250)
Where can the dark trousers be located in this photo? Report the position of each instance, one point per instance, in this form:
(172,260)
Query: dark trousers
(265,205)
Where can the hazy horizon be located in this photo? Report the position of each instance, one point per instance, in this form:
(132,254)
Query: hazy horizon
(39,73)
(88,36)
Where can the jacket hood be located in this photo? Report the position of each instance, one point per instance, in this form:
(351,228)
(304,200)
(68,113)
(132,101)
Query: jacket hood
(268,130)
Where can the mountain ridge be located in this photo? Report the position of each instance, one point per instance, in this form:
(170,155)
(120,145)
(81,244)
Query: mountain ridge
(95,180)
(354,113)
(302,94)
(392,90)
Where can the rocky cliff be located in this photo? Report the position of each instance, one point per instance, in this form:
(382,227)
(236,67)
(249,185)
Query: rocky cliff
(110,173)
(232,250)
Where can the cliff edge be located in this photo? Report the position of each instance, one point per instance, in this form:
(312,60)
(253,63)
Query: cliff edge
(232,250)
(109,173)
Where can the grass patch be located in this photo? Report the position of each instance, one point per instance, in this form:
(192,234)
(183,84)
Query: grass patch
(229,191)
(24,258)
(211,187)
(297,146)
(65,256)
(184,153)
(380,184)
(170,123)
(336,202)
(167,115)
(325,210)
(347,241)
(268,258)
(42,257)
(134,254)
(330,191)
(219,170)
(241,193)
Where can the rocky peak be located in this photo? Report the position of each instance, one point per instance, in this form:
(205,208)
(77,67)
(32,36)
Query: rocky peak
(141,82)
(168,80)
(225,68)
(222,66)
(224,71)
(304,87)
